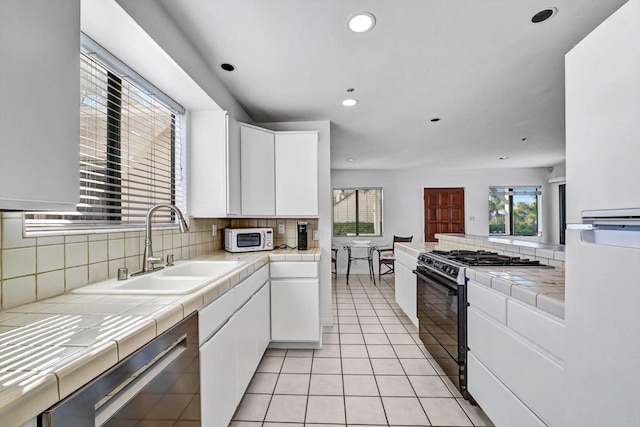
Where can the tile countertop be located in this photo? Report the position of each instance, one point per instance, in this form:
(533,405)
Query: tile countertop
(50,348)
(414,248)
(541,287)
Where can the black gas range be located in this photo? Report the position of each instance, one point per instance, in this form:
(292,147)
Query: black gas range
(442,305)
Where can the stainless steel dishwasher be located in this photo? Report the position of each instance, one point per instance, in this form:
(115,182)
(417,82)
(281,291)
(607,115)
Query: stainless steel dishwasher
(157,385)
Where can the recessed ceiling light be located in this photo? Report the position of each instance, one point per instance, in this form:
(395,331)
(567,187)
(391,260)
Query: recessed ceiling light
(543,15)
(436,119)
(351,160)
(349,102)
(362,22)
(227,67)
(503,157)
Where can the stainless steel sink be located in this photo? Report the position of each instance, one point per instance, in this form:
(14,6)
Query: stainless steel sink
(183,278)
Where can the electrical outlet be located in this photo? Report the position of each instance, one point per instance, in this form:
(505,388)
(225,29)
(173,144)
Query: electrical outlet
(316,235)
(280,228)
(214,230)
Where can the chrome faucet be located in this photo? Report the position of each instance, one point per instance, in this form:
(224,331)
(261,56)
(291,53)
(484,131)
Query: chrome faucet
(148,260)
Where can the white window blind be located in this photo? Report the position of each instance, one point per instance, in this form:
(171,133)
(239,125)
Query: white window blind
(131,153)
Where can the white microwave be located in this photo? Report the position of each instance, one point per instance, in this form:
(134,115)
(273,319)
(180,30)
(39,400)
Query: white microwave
(248,239)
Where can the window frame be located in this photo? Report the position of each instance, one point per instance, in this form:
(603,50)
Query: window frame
(357,222)
(112,216)
(510,229)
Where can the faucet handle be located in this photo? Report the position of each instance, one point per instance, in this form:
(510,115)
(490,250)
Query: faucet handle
(170,260)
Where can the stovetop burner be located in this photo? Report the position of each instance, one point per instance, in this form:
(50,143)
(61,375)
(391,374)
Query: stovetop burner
(484,258)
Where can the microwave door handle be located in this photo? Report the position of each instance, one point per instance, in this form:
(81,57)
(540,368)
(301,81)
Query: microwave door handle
(264,239)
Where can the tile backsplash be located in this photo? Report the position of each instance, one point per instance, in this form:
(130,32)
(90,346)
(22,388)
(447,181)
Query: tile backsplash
(290,236)
(35,268)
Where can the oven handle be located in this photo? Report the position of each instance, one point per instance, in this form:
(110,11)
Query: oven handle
(449,290)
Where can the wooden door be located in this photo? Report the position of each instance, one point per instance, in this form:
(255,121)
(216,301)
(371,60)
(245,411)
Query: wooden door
(443,211)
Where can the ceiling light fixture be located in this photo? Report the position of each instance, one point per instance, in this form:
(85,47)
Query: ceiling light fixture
(361,22)
(351,160)
(543,15)
(503,157)
(349,102)
(227,67)
(436,119)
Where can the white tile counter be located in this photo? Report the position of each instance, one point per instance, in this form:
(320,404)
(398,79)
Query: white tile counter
(540,287)
(537,286)
(52,347)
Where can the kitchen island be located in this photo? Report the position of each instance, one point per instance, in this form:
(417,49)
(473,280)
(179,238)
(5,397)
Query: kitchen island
(515,331)
(50,348)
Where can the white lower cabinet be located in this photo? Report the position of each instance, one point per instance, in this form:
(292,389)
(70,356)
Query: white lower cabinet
(295,302)
(229,358)
(495,399)
(218,379)
(406,288)
(531,374)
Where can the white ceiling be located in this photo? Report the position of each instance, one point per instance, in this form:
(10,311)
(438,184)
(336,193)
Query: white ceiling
(482,66)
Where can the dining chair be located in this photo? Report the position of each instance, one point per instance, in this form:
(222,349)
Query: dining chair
(386,256)
(334,261)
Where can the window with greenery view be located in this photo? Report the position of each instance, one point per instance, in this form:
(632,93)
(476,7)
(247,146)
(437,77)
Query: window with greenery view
(514,211)
(357,212)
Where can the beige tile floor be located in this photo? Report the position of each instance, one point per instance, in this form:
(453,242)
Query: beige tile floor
(371,371)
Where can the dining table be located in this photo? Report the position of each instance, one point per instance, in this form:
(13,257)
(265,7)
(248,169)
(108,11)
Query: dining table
(360,250)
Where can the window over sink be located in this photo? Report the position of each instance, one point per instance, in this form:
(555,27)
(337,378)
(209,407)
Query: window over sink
(132,150)
(357,212)
(514,211)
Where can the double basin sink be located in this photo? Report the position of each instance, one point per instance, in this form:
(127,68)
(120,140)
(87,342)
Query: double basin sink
(180,279)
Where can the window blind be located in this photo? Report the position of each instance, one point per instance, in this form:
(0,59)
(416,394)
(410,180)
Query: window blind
(132,154)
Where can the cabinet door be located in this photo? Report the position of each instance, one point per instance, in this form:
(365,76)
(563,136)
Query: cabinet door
(295,310)
(208,170)
(233,164)
(257,171)
(247,345)
(263,319)
(296,160)
(218,378)
(39,106)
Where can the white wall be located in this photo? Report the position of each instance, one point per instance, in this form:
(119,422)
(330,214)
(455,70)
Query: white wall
(403,191)
(325,205)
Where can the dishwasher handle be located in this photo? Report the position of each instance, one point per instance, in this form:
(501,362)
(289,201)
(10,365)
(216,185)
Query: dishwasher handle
(106,407)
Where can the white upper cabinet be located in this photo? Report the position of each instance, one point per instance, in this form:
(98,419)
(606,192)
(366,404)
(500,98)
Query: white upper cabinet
(279,172)
(39,106)
(208,177)
(215,164)
(257,171)
(243,170)
(297,173)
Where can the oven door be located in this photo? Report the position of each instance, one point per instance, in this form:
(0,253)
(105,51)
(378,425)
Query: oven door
(441,306)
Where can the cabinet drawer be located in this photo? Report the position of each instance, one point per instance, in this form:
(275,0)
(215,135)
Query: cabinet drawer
(250,285)
(496,400)
(405,259)
(537,327)
(488,301)
(212,316)
(294,269)
(532,376)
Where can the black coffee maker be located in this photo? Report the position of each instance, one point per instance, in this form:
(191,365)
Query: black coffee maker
(303,228)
